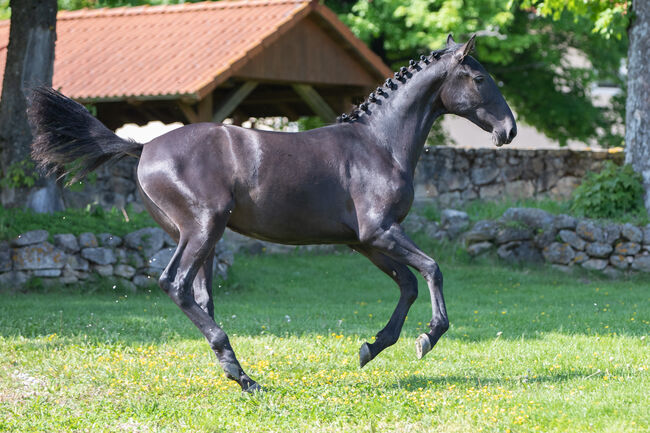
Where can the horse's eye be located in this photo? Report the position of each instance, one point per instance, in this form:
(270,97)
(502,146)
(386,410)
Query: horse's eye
(478,79)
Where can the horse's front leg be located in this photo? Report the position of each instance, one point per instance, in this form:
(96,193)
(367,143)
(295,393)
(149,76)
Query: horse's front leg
(408,286)
(397,245)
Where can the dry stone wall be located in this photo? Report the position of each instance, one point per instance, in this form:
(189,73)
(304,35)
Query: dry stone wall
(136,260)
(528,235)
(451,175)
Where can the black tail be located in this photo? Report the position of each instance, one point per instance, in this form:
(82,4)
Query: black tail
(68,139)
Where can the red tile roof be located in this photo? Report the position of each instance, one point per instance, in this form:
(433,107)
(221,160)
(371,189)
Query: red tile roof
(150,52)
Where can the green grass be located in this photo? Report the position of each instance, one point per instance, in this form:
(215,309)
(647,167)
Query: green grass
(16,221)
(527,351)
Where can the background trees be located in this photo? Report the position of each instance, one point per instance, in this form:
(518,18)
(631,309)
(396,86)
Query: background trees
(30,59)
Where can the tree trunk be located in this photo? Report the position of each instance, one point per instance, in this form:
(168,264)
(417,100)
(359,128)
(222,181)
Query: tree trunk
(637,107)
(30,62)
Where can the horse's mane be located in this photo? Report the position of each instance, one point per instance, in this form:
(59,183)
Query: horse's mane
(401,76)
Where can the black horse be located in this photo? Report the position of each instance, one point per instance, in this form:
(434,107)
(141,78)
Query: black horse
(348,183)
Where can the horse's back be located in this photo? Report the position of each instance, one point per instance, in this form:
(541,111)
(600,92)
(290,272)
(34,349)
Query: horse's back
(283,187)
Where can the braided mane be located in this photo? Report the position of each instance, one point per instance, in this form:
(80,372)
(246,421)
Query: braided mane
(402,75)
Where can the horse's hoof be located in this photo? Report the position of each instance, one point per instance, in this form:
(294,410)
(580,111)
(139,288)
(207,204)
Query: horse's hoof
(253,389)
(364,355)
(422,345)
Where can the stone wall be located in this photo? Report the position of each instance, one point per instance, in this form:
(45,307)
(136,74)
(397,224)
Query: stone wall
(448,175)
(529,235)
(136,260)
(451,176)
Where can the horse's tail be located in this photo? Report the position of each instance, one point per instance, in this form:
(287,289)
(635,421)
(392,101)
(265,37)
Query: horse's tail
(68,139)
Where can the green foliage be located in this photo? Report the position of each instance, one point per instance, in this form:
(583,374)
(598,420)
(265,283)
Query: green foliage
(526,53)
(614,191)
(306,123)
(523,43)
(19,174)
(609,18)
(75,221)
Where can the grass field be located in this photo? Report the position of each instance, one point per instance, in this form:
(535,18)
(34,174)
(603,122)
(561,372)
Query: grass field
(527,351)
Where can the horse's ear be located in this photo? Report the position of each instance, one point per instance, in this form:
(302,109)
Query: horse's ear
(450,40)
(464,50)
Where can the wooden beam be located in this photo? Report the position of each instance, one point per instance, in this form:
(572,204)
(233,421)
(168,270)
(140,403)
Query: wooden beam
(204,109)
(233,100)
(188,111)
(315,102)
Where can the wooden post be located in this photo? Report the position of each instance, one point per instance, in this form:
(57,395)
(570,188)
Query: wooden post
(233,100)
(315,102)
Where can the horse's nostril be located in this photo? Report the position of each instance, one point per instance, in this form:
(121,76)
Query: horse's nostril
(512,134)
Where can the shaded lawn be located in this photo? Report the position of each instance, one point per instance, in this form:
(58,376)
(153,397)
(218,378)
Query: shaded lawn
(527,351)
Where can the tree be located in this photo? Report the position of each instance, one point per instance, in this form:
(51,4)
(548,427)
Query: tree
(612,19)
(30,60)
(525,52)
(637,120)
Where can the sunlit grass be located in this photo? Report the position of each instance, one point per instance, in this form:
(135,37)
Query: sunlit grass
(527,351)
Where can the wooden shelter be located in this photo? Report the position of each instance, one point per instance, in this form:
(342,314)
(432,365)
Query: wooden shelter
(208,61)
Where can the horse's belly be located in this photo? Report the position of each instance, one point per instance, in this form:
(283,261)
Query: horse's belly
(300,223)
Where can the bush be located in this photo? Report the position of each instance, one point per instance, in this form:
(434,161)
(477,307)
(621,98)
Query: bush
(615,192)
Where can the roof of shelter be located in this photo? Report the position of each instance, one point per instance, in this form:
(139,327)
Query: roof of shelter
(171,51)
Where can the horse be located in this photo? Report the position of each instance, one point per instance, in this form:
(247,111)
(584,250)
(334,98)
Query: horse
(346,183)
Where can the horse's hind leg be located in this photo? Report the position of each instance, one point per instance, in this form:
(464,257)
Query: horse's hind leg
(202,285)
(408,286)
(194,247)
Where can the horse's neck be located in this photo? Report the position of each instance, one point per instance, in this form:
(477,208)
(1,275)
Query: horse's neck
(404,119)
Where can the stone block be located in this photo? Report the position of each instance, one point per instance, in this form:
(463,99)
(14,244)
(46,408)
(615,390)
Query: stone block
(478,248)
(77,263)
(611,233)
(5,259)
(511,234)
(484,230)
(558,253)
(38,256)
(619,261)
(641,263)
(489,192)
(47,273)
(565,222)
(519,189)
(595,264)
(103,270)
(67,242)
(147,240)
(124,271)
(88,240)
(30,238)
(531,217)
(632,233)
(599,249)
(590,232)
(572,239)
(109,240)
(484,175)
(100,255)
(627,248)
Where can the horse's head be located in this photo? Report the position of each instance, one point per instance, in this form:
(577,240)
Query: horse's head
(470,92)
